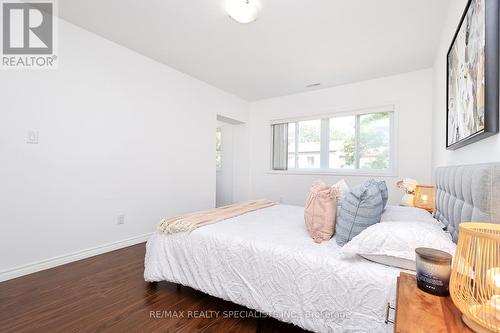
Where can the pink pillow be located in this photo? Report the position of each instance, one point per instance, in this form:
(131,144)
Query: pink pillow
(320,211)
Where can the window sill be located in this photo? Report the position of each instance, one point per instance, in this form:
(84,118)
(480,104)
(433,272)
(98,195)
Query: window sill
(372,173)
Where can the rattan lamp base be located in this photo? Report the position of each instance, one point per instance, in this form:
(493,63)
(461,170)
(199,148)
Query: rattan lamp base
(475,327)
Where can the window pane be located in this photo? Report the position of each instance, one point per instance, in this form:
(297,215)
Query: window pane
(291,146)
(218,148)
(218,160)
(374,140)
(342,143)
(309,144)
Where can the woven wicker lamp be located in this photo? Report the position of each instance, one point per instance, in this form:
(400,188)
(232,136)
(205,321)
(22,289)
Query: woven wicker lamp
(425,197)
(475,278)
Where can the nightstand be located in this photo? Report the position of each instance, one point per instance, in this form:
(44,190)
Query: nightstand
(417,311)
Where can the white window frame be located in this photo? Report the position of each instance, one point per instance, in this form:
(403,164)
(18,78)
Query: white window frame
(325,142)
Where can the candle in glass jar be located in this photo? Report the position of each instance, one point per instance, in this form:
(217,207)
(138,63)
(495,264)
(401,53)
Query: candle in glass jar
(433,270)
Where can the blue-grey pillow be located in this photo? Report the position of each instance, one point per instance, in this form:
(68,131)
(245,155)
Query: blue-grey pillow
(382,186)
(361,208)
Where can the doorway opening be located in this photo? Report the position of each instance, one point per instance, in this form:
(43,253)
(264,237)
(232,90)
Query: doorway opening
(225,131)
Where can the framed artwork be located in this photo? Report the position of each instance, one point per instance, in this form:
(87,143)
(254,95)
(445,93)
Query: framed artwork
(472,76)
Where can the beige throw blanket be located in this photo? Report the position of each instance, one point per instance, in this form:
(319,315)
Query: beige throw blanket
(189,222)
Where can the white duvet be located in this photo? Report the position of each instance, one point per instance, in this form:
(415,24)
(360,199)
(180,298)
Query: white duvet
(266,261)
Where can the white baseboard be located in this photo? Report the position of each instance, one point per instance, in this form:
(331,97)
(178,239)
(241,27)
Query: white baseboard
(41,265)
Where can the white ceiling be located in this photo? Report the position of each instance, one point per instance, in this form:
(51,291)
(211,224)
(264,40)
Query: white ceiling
(292,44)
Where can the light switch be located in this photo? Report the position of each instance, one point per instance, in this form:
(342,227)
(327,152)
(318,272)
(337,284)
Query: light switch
(32,137)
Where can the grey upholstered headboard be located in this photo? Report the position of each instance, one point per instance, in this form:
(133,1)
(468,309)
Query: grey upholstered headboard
(467,193)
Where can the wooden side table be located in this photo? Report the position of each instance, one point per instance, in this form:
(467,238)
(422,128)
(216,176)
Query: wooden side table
(420,312)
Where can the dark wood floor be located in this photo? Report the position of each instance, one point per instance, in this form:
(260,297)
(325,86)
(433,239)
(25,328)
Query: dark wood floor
(107,293)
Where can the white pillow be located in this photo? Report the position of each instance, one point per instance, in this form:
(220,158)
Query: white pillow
(342,189)
(410,214)
(394,243)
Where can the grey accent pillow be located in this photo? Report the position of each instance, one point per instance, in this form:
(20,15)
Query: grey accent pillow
(361,208)
(382,186)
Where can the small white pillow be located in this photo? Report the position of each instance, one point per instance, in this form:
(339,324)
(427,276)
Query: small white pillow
(410,214)
(342,189)
(394,243)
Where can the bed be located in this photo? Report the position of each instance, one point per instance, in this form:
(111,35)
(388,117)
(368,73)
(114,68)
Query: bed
(265,260)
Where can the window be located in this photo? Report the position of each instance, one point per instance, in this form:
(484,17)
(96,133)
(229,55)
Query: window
(218,148)
(359,141)
(292,157)
(308,144)
(304,144)
(374,141)
(342,143)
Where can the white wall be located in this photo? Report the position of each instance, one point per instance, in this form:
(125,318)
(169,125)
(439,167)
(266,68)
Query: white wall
(241,163)
(412,95)
(487,150)
(118,134)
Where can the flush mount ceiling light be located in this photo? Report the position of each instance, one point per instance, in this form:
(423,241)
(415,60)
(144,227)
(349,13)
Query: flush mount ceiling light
(242,11)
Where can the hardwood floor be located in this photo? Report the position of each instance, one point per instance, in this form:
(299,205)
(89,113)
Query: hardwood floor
(107,293)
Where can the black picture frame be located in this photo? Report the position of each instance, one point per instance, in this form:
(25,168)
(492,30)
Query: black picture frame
(491,98)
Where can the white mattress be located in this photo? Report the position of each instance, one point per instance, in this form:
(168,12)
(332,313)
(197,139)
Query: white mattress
(265,261)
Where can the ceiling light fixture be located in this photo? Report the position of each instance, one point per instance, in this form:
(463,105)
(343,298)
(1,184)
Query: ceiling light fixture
(242,11)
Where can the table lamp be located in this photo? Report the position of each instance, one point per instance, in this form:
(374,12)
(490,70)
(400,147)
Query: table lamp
(425,197)
(475,277)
